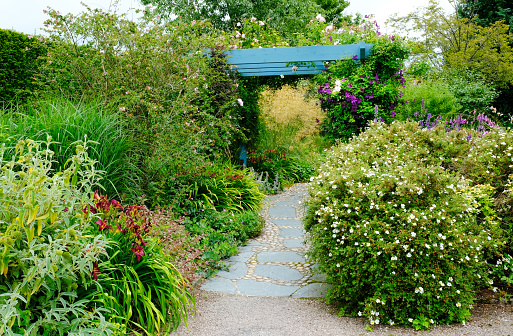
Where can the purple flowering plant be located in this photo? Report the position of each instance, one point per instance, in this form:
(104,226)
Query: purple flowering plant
(350,90)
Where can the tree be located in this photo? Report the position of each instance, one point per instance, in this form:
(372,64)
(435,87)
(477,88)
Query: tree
(486,12)
(285,16)
(455,42)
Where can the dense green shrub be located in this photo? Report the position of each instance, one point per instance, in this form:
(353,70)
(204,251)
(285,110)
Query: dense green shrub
(19,63)
(353,93)
(470,89)
(404,220)
(430,95)
(46,249)
(288,169)
(67,122)
(179,104)
(135,282)
(222,232)
(217,185)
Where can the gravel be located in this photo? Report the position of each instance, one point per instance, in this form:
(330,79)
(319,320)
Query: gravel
(236,315)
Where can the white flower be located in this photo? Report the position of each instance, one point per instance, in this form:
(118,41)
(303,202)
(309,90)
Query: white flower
(359,313)
(238,24)
(253,19)
(320,18)
(413,234)
(458,304)
(409,255)
(294,68)
(393,258)
(260,23)
(410,320)
(241,103)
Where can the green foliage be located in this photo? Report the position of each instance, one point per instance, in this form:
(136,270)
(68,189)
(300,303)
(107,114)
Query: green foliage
(353,93)
(68,122)
(222,232)
(402,222)
(470,89)
(136,283)
(213,185)
(46,249)
(277,164)
(19,55)
(431,95)
(178,104)
(485,12)
(286,17)
(461,43)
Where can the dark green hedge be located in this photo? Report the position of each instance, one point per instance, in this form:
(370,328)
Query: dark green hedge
(18,65)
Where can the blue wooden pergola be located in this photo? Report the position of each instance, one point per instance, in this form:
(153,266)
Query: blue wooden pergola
(290,61)
(283,61)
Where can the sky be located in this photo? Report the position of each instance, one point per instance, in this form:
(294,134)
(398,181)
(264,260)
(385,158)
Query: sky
(27,16)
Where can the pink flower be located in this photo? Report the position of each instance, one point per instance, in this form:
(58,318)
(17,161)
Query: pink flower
(260,23)
(122,108)
(294,68)
(253,19)
(281,76)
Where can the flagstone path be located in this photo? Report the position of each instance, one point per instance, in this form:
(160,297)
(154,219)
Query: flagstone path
(274,264)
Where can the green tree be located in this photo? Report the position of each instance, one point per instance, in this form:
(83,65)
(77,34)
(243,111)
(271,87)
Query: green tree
(486,12)
(286,17)
(460,43)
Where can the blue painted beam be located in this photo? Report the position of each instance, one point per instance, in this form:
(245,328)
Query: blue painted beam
(279,61)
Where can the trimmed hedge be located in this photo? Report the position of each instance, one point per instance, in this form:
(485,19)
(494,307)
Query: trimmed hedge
(18,63)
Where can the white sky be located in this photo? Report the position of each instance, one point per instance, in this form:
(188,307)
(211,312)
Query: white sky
(27,15)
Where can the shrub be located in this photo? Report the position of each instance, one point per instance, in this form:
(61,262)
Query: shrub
(214,185)
(46,248)
(68,122)
(136,282)
(353,93)
(471,90)
(178,104)
(279,166)
(430,95)
(18,65)
(402,221)
(222,232)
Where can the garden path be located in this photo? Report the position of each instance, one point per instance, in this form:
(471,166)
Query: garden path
(274,264)
(258,295)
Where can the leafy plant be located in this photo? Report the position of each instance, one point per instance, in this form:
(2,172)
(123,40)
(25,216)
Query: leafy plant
(46,250)
(353,93)
(403,222)
(222,232)
(136,282)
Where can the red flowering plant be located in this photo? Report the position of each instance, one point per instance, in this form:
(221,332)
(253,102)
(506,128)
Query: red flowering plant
(125,225)
(136,283)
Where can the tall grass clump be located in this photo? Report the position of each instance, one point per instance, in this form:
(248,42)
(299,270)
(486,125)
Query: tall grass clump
(289,121)
(67,122)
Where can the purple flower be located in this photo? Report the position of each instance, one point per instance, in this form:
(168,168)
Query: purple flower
(355,58)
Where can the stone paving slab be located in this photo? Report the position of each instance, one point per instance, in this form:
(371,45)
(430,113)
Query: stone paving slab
(282,211)
(270,257)
(314,290)
(220,285)
(293,243)
(280,273)
(250,287)
(236,270)
(297,233)
(287,222)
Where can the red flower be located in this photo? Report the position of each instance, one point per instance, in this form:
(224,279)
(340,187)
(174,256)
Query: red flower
(138,251)
(102,225)
(96,271)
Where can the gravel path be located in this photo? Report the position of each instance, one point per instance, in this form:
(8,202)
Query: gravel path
(262,296)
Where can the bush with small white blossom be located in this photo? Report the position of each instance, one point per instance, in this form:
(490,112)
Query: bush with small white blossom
(403,236)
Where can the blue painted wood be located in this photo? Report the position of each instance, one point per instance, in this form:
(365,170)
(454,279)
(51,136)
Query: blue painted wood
(280,61)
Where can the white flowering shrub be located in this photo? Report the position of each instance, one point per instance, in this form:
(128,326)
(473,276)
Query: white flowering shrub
(402,234)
